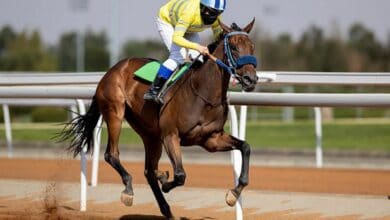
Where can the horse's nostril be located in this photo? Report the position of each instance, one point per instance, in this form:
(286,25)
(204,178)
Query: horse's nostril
(248,79)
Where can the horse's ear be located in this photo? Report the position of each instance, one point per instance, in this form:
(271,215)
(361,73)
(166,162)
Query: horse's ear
(226,29)
(249,27)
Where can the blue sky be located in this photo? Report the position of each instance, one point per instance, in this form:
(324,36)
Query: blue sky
(135,19)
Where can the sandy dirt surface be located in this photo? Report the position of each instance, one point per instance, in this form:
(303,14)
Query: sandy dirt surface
(48,189)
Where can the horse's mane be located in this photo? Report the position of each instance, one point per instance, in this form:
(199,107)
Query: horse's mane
(213,46)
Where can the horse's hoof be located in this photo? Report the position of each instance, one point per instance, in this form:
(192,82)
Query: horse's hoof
(127,199)
(165,187)
(231,198)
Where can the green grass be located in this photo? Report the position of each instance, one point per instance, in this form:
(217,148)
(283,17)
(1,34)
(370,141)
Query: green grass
(363,135)
(300,135)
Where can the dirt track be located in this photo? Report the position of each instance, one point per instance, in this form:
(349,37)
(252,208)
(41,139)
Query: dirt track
(338,181)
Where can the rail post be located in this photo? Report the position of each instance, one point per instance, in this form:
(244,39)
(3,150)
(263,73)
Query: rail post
(236,158)
(83,164)
(318,129)
(96,152)
(8,130)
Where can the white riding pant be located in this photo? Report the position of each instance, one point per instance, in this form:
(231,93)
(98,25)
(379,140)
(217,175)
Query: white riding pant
(177,54)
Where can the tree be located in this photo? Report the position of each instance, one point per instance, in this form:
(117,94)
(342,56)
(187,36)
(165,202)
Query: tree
(311,48)
(148,48)
(97,56)
(26,52)
(67,52)
(362,40)
(276,54)
(6,35)
(386,58)
(334,56)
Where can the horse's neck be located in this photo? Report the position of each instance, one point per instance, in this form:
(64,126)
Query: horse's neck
(210,81)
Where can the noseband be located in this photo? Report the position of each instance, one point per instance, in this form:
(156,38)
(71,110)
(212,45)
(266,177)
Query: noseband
(234,64)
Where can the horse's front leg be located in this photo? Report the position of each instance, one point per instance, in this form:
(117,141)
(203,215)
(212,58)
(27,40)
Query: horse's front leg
(224,142)
(172,147)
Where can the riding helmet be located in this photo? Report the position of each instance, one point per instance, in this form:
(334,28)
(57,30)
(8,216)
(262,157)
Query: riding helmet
(211,9)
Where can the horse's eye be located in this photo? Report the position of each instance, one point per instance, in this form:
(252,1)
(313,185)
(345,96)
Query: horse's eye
(233,47)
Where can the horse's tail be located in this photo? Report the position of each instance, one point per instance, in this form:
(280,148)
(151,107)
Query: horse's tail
(80,130)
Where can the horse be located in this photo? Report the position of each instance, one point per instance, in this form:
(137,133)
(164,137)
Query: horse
(194,112)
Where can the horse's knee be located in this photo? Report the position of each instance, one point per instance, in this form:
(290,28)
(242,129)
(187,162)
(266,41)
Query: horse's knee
(180,178)
(108,158)
(245,149)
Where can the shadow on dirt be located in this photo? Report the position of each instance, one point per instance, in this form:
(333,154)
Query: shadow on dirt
(146,217)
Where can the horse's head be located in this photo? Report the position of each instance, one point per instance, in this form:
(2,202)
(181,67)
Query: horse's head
(239,50)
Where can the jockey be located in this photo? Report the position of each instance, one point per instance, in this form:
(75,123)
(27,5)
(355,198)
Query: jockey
(179,23)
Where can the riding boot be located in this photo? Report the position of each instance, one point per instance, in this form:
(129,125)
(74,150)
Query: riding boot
(152,93)
(162,76)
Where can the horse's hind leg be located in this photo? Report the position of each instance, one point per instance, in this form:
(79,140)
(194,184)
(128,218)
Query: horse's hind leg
(153,150)
(224,142)
(172,147)
(113,118)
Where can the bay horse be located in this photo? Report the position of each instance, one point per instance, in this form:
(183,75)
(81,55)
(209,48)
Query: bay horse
(194,112)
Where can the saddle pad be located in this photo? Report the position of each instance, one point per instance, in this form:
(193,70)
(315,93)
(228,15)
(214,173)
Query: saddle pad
(183,69)
(149,71)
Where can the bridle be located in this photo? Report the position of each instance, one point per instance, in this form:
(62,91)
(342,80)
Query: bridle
(234,64)
(231,67)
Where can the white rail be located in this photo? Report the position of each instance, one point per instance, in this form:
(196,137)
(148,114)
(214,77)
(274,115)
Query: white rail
(235,98)
(325,78)
(39,78)
(40,102)
(55,92)
(279,77)
(311,99)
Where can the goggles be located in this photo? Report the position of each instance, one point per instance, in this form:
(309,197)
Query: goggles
(209,11)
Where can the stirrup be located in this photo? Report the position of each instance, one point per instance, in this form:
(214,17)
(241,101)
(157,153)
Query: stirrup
(149,96)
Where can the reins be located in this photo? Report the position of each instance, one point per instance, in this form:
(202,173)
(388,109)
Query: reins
(231,67)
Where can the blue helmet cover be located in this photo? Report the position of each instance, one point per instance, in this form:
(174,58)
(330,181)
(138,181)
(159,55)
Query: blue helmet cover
(215,4)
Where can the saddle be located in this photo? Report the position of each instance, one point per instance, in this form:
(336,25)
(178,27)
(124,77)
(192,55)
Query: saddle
(148,73)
